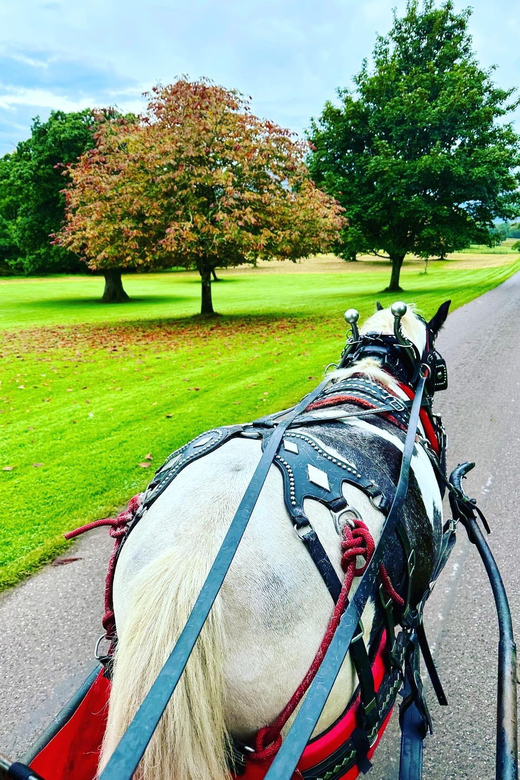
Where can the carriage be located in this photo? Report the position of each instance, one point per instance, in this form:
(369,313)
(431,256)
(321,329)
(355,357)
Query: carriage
(356,470)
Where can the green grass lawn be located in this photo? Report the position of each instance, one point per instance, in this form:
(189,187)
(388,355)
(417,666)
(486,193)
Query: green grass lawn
(89,390)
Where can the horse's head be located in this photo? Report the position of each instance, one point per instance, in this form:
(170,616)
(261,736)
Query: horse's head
(401,341)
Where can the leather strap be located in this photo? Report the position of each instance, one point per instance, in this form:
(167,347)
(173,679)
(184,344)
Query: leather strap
(430,666)
(414,717)
(321,560)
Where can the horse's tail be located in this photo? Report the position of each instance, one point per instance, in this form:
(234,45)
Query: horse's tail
(191,741)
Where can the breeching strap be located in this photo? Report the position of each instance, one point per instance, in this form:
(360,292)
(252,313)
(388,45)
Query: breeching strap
(134,741)
(304,724)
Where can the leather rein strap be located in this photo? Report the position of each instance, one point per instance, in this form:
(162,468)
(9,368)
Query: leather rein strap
(305,722)
(134,741)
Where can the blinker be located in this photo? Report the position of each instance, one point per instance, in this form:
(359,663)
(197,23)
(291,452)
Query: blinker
(395,352)
(439,372)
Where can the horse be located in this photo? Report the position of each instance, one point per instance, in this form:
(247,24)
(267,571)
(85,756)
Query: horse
(269,619)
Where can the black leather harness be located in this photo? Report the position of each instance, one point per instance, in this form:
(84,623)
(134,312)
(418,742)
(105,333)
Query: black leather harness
(300,427)
(313,467)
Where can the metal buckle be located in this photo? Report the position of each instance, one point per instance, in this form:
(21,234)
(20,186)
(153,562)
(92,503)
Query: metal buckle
(360,633)
(97,655)
(303,531)
(387,603)
(396,404)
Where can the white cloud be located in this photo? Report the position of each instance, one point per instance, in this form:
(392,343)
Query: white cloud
(42,98)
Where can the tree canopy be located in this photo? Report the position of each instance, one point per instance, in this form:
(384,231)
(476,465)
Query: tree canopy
(197,182)
(415,153)
(32,205)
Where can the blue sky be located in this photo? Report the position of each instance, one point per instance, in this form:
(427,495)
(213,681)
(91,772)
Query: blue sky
(288,55)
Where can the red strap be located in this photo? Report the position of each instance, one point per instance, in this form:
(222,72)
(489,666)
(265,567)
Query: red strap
(118,529)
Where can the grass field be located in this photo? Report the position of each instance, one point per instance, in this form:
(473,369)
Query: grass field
(88,391)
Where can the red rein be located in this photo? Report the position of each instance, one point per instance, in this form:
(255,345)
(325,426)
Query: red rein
(118,526)
(356,542)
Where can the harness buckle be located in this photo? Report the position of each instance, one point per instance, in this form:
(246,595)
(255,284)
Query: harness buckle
(360,633)
(103,658)
(303,531)
(396,404)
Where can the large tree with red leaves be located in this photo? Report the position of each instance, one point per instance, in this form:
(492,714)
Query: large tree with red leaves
(199,182)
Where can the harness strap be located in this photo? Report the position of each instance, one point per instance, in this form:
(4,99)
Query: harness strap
(414,717)
(430,666)
(321,560)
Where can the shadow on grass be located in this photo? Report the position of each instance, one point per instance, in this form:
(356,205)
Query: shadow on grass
(87,302)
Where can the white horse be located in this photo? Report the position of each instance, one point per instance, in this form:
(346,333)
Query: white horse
(273,609)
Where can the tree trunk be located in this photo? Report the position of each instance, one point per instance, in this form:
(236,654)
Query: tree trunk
(214,275)
(397,262)
(114,292)
(206,302)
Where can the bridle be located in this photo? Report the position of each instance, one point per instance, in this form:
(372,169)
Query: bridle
(395,353)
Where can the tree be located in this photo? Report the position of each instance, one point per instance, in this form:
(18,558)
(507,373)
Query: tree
(31,184)
(197,182)
(415,154)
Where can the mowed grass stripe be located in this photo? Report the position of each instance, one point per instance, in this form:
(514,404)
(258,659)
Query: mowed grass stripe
(89,402)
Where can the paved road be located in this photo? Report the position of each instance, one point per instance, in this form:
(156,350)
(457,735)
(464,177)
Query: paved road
(50,623)
(480,409)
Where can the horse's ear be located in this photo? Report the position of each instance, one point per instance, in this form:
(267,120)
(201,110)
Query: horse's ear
(438,319)
(379,307)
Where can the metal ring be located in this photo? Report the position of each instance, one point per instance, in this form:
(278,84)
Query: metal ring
(424,371)
(332,367)
(97,654)
(302,528)
(336,517)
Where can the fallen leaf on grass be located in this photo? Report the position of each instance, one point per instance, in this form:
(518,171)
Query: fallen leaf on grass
(37,465)
(148,457)
(169,415)
(8,468)
(64,561)
(30,428)
(144,465)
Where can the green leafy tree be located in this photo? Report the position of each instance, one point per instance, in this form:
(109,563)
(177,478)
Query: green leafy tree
(198,182)
(415,153)
(31,199)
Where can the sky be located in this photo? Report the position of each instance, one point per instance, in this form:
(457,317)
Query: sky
(288,55)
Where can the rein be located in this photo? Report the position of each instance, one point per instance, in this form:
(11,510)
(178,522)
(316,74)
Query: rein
(305,722)
(128,753)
